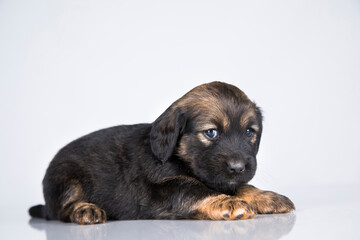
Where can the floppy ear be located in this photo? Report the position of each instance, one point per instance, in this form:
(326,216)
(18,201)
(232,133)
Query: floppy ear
(165,133)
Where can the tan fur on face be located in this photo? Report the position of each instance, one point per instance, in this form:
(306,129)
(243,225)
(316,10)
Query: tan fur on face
(255,127)
(214,106)
(203,139)
(200,135)
(206,126)
(182,146)
(208,100)
(246,117)
(253,139)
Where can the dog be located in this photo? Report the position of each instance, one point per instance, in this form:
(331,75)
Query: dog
(192,162)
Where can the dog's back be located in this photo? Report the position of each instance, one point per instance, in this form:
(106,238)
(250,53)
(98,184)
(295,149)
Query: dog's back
(95,168)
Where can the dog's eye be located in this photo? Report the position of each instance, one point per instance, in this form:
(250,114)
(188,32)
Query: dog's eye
(250,132)
(211,133)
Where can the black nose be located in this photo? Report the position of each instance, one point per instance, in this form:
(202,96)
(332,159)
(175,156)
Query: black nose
(236,166)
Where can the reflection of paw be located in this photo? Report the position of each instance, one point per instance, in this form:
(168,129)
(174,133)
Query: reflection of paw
(223,207)
(87,213)
(270,202)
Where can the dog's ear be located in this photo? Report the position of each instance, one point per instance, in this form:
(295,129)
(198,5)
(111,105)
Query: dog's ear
(165,133)
(259,118)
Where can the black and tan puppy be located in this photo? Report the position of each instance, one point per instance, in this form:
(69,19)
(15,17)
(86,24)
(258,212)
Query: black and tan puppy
(193,162)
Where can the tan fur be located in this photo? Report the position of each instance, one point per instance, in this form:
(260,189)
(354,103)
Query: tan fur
(222,207)
(87,213)
(73,194)
(208,101)
(182,146)
(205,126)
(253,139)
(203,139)
(265,201)
(255,127)
(247,117)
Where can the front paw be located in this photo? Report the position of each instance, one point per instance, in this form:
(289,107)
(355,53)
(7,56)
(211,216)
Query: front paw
(265,202)
(269,202)
(223,207)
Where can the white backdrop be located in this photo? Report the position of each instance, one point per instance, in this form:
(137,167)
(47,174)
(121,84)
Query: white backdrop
(70,67)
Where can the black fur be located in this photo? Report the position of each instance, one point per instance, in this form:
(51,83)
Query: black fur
(37,211)
(157,170)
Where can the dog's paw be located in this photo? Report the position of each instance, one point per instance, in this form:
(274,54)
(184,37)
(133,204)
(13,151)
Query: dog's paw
(267,202)
(223,207)
(87,213)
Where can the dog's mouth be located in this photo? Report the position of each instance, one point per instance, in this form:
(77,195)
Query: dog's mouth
(238,180)
(223,180)
(233,182)
(227,185)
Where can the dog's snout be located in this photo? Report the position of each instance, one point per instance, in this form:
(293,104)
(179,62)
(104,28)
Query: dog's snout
(236,166)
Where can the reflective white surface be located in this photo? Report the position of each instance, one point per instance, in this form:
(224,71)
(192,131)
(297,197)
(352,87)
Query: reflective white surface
(326,212)
(269,227)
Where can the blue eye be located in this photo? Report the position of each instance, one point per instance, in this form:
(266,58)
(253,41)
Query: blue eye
(250,132)
(211,133)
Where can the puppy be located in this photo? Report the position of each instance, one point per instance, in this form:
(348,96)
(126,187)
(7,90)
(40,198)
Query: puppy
(193,162)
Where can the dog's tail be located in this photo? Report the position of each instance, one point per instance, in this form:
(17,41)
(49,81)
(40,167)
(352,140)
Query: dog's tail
(37,211)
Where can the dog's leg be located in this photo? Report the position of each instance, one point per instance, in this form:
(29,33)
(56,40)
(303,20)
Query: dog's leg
(265,201)
(185,197)
(73,207)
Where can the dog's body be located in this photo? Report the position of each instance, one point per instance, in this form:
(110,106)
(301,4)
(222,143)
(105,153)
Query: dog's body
(193,162)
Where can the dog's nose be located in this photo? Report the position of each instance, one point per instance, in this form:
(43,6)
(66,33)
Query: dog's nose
(236,166)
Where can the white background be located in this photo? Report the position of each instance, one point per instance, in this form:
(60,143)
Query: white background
(70,67)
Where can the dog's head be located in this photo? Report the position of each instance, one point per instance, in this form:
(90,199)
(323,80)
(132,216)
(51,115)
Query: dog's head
(215,129)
